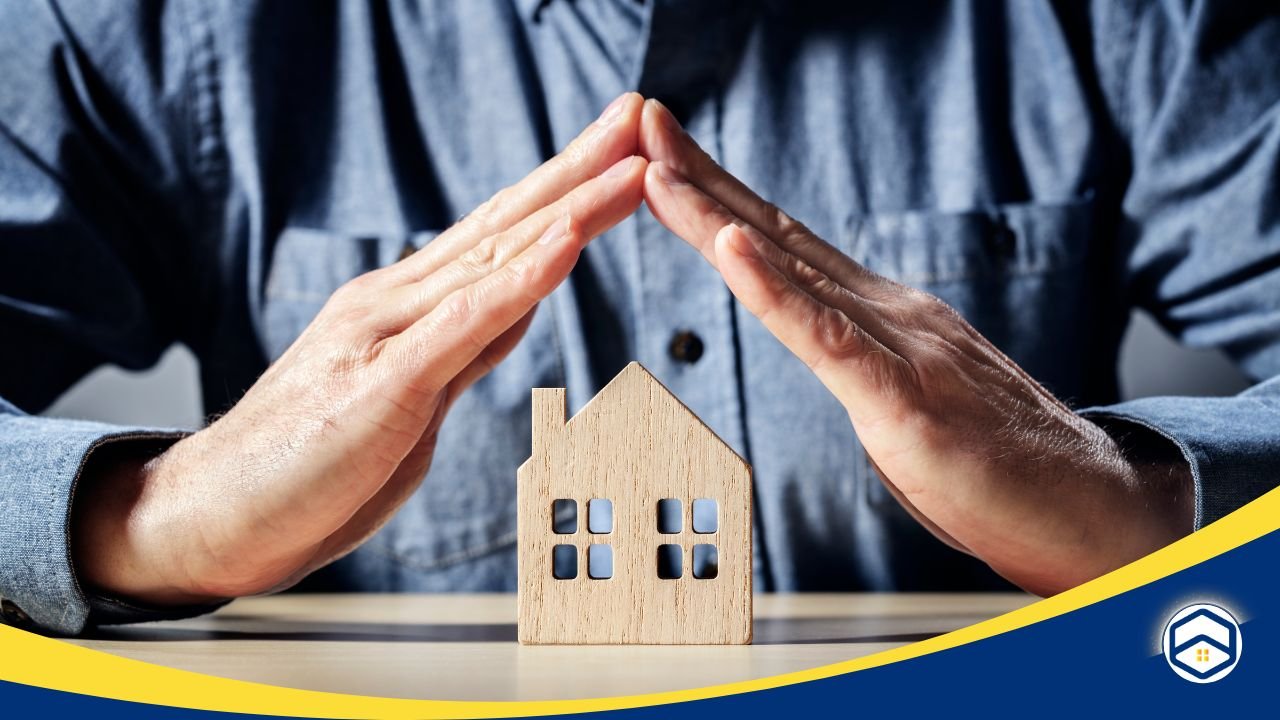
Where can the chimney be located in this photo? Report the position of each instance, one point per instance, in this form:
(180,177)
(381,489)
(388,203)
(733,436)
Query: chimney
(548,416)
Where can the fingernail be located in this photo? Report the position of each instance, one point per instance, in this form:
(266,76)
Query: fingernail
(613,110)
(666,116)
(558,229)
(739,244)
(619,168)
(670,176)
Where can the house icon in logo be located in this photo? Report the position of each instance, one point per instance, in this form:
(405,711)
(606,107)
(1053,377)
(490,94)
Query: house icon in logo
(1202,643)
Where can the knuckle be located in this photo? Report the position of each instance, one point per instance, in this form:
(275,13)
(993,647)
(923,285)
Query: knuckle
(937,366)
(581,202)
(787,227)
(345,359)
(521,275)
(526,279)
(914,308)
(841,339)
(457,310)
(355,286)
(484,258)
(931,306)
(348,294)
(578,153)
(486,212)
(804,274)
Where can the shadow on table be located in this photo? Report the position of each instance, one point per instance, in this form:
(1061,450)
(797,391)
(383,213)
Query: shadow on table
(243,628)
(830,631)
(768,631)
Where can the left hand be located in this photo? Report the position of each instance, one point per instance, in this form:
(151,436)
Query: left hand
(967,441)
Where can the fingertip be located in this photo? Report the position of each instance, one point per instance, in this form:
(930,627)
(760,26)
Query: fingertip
(656,129)
(615,133)
(662,115)
(626,179)
(620,107)
(630,171)
(731,239)
(738,260)
(651,172)
(641,165)
(653,180)
(632,104)
(623,167)
(637,171)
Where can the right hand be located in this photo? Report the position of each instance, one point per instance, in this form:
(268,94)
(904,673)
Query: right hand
(340,430)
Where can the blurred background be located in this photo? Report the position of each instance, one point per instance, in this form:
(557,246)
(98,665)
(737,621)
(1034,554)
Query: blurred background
(168,395)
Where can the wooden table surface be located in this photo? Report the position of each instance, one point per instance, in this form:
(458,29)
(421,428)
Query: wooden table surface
(463,647)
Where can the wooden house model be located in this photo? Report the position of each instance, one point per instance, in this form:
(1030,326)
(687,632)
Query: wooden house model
(634,523)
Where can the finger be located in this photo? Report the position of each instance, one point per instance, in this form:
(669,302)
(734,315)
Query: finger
(662,140)
(497,351)
(435,349)
(852,364)
(595,206)
(684,209)
(611,137)
(698,218)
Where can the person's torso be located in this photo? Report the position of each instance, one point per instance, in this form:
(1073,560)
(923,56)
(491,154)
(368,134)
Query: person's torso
(953,149)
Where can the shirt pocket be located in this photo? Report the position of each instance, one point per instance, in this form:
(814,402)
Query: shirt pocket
(307,265)
(1000,243)
(1011,270)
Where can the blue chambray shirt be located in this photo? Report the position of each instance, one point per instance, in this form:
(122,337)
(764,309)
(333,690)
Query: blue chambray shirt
(209,172)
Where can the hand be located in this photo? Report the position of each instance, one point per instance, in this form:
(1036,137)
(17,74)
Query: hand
(971,445)
(339,431)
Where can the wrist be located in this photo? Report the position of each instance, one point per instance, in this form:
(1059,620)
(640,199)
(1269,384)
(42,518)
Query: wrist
(117,537)
(1159,473)
(1100,501)
(1140,498)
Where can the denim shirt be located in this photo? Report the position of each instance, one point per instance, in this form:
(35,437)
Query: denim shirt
(208,173)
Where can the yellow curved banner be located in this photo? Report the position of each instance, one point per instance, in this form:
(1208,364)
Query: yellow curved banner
(48,663)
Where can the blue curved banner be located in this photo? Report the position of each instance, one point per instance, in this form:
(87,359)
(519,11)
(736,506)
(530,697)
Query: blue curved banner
(1101,660)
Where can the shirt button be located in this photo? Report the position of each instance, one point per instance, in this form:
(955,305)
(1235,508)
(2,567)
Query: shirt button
(686,347)
(12,614)
(1003,240)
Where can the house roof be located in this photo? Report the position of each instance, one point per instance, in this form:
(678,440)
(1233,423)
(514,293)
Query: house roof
(635,371)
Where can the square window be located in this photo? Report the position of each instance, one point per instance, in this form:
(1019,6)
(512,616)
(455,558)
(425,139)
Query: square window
(670,561)
(599,562)
(600,516)
(669,516)
(706,563)
(564,517)
(705,516)
(564,562)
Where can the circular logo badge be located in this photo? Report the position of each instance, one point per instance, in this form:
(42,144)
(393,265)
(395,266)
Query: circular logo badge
(1202,643)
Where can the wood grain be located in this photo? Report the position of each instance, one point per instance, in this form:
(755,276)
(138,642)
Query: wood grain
(633,444)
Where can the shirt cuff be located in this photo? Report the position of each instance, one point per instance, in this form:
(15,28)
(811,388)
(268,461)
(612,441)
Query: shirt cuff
(1232,444)
(41,460)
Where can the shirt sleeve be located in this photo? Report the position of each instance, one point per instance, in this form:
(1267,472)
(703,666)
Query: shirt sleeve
(100,196)
(1195,93)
